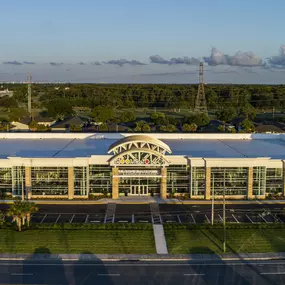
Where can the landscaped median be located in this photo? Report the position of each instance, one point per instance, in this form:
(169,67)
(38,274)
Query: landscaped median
(243,238)
(79,238)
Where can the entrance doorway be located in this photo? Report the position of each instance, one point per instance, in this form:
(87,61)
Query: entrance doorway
(141,190)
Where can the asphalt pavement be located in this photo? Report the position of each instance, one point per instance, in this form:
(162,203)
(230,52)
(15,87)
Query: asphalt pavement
(109,273)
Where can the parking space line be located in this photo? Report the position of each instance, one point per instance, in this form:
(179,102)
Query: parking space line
(263,218)
(235,218)
(249,218)
(133,218)
(193,219)
(221,218)
(43,218)
(278,219)
(71,219)
(57,218)
(178,218)
(86,219)
(207,219)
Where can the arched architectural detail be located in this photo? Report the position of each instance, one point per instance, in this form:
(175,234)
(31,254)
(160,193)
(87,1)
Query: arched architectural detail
(139,157)
(139,142)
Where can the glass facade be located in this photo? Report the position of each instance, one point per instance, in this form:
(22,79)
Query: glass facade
(178,179)
(5,180)
(100,179)
(234,180)
(274,180)
(18,176)
(49,181)
(97,179)
(152,184)
(81,178)
(259,180)
(197,181)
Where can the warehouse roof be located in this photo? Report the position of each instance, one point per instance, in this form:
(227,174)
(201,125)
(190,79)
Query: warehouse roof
(205,148)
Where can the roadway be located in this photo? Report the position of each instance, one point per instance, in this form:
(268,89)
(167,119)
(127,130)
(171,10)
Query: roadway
(126,272)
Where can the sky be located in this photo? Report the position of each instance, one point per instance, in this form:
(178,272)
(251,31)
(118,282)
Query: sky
(149,41)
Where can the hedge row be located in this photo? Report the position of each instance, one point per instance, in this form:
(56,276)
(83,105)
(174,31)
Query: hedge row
(115,226)
(228,226)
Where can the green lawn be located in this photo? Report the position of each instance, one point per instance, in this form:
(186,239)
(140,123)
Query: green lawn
(77,241)
(181,241)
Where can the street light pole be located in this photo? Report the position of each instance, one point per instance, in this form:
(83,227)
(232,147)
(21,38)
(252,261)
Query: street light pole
(213,201)
(224,212)
(23,188)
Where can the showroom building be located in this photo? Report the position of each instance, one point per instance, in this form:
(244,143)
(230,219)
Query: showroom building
(79,165)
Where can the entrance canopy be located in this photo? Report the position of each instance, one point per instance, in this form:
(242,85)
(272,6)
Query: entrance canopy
(139,150)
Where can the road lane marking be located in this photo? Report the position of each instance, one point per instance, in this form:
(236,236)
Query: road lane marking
(194,274)
(21,274)
(272,273)
(108,274)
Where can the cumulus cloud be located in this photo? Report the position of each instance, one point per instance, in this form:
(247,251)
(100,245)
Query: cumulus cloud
(56,63)
(14,62)
(29,62)
(121,62)
(96,63)
(239,59)
(278,60)
(175,60)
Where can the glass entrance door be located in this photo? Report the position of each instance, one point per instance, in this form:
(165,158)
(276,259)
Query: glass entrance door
(141,190)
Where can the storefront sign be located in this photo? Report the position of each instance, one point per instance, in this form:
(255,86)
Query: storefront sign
(138,172)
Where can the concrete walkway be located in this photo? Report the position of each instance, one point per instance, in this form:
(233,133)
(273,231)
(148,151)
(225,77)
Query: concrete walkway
(148,200)
(159,238)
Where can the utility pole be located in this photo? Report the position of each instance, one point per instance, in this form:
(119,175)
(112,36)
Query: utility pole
(224,212)
(213,200)
(200,102)
(29,96)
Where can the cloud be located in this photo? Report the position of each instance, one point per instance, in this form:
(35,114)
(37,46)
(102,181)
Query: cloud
(81,63)
(56,63)
(29,62)
(158,59)
(96,63)
(175,60)
(14,62)
(239,59)
(121,62)
(278,60)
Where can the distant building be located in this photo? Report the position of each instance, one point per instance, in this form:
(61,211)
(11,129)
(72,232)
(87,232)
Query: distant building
(23,124)
(66,124)
(6,92)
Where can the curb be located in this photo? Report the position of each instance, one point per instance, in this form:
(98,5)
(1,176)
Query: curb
(142,257)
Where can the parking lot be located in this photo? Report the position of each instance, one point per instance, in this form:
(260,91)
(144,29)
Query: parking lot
(133,213)
(146,217)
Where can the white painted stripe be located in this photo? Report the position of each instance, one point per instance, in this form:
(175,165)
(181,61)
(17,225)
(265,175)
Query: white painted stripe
(272,273)
(22,274)
(193,219)
(106,274)
(235,218)
(194,274)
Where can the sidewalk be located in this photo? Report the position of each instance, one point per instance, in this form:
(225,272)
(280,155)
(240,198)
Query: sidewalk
(150,257)
(147,200)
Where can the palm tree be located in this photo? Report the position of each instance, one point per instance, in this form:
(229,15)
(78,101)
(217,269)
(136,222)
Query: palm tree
(21,212)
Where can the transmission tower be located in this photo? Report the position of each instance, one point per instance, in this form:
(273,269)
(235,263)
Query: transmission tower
(200,102)
(29,95)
